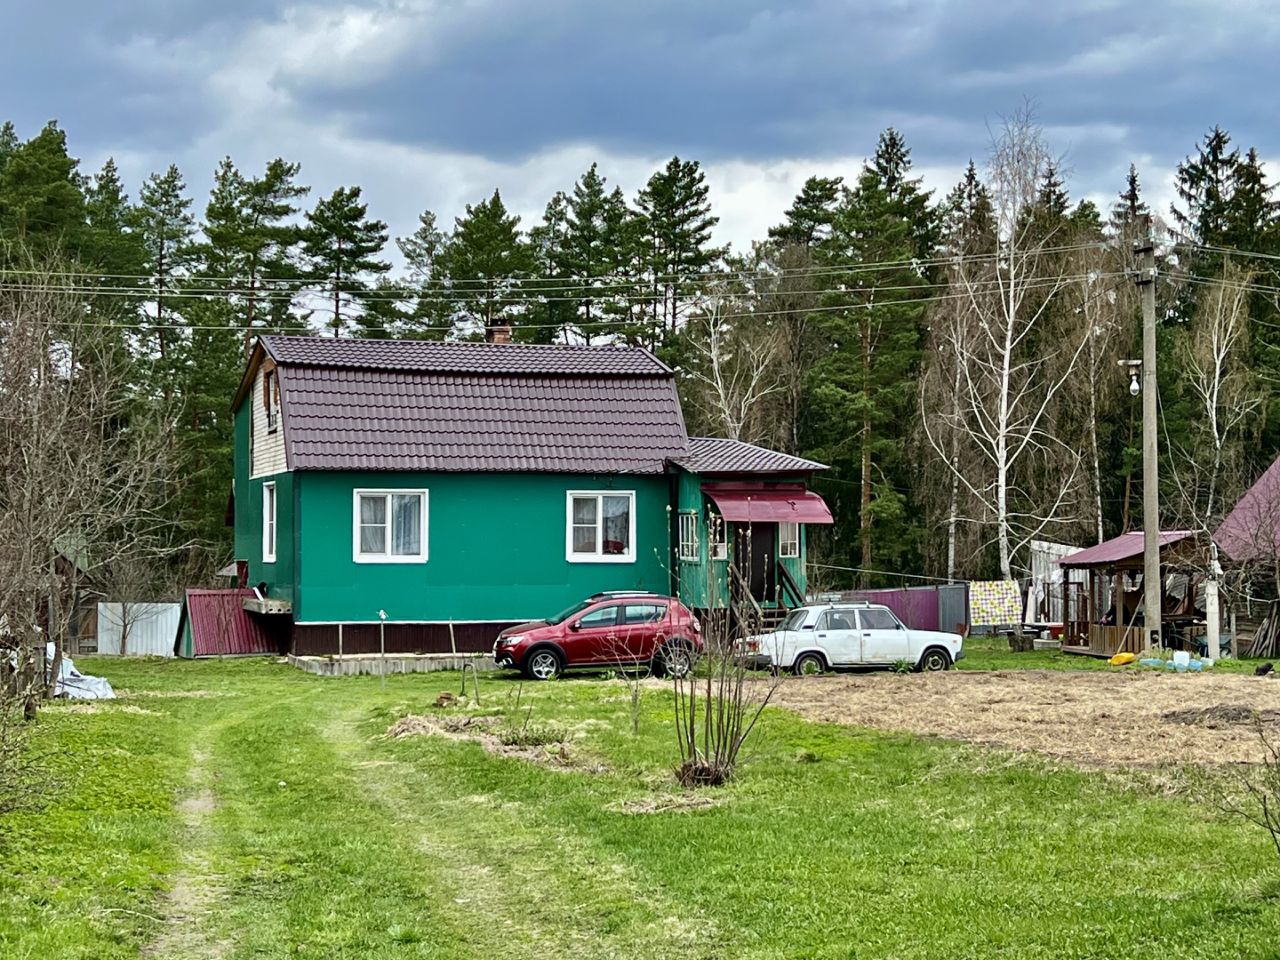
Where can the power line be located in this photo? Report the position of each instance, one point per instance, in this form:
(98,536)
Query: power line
(602,325)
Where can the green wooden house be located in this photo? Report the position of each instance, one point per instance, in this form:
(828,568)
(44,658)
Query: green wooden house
(463,487)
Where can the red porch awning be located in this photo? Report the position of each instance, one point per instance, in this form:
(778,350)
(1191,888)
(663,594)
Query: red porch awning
(769,505)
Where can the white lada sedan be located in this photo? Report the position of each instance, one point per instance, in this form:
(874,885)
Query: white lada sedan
(829,636)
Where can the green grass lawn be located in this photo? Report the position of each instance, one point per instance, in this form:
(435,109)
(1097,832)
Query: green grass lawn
(271,812)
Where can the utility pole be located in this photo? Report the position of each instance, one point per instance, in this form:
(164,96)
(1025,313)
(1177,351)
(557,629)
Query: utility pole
(1152,582)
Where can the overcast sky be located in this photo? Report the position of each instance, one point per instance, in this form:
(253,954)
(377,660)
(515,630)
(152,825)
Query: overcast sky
(433,103)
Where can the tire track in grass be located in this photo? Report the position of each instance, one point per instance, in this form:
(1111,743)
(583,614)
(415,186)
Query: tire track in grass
(195,888)
(530,885)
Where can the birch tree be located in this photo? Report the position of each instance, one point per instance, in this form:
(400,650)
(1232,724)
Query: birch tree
(1222,387)
(1024,476)
(733,369)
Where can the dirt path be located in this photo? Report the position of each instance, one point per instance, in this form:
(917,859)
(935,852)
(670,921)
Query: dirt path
(1097,718)
(195,889)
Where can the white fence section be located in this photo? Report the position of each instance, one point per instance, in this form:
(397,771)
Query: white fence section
(147,629)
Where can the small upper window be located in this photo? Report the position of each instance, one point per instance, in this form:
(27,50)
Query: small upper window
(390,526)
(788,539)
(601,527)
(689,536)
(271,400)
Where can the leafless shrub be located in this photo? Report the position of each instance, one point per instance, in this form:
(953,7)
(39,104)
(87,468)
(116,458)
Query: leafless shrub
(1250,791)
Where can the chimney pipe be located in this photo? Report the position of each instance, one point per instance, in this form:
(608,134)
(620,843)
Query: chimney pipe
(498,333)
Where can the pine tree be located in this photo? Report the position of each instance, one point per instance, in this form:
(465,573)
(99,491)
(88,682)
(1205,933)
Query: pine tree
(552,309)
(164,222)
(429,317)
(1205,185)
(1130,209)
(341,246)
(866,378)
(269,242)
(8,141)
(486,262)
(808,219)
(677,222)
(111,245)
(41,193)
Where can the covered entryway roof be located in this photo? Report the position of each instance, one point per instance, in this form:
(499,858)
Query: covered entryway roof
(790,504)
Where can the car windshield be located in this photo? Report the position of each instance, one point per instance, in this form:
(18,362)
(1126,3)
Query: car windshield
(564,615)
(793,620)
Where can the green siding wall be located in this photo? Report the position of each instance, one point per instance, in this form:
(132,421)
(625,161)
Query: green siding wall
(495,547)
(281,576)
(704,583)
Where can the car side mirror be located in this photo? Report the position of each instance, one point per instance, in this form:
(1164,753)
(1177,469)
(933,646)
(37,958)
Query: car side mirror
(575,626)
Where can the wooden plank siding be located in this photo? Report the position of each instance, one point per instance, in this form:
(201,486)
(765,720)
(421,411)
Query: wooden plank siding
(266,446)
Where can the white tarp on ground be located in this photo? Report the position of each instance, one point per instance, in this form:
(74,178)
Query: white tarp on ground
(148,629)
(73,684)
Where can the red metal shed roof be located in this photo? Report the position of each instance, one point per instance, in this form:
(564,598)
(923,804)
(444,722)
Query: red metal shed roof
(220,626)
(768,505)
(418,405)
(720,455)
(1124,547)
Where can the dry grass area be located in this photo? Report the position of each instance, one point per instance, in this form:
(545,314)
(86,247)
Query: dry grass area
(1096,718)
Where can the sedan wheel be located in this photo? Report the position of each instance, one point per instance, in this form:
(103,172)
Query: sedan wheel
(543,665)
(810,665)
(935,660)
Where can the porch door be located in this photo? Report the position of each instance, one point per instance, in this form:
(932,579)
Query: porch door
(756,557)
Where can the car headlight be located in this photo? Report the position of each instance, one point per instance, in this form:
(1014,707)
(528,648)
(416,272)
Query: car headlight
(512,640)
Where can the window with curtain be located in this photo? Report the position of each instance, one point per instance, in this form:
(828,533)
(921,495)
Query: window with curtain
(601,526)
(390,526)
(788,539)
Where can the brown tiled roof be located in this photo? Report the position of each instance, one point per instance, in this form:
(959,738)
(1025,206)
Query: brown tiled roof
(718,455)
(440,357)
(413,405)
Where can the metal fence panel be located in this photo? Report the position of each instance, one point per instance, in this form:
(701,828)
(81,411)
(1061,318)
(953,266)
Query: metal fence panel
(148,629)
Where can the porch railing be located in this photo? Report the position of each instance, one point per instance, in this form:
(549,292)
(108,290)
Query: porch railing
(792,595)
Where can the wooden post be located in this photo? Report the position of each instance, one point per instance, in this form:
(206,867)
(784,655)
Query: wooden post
(339,641)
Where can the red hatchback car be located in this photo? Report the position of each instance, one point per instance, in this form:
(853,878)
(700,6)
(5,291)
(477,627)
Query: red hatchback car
(606,630)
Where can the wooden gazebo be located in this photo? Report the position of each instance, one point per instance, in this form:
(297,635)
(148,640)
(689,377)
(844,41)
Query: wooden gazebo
(1103,616)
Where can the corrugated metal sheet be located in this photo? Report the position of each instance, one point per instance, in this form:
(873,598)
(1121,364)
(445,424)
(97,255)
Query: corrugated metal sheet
(357,419)
(146,629)
(768,505)
(719,455)
(1124,547)
(441,357)
(940,607)
(220,626)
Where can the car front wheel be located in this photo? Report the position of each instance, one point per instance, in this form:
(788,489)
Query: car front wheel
(543,664)
(935,660)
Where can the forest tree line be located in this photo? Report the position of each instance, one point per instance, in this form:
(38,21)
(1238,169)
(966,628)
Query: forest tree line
(954,358)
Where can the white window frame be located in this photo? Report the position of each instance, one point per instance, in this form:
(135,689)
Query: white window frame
(718,537)
(359,557)
(687,550)
(783,540)
(599,556)
(270,513)
(271,386)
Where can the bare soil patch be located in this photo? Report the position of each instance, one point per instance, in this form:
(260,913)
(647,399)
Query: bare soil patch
(490,733)
(104,706)
(687,802)
(1094,718)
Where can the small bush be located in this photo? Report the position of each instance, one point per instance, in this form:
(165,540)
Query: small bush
(903,666)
